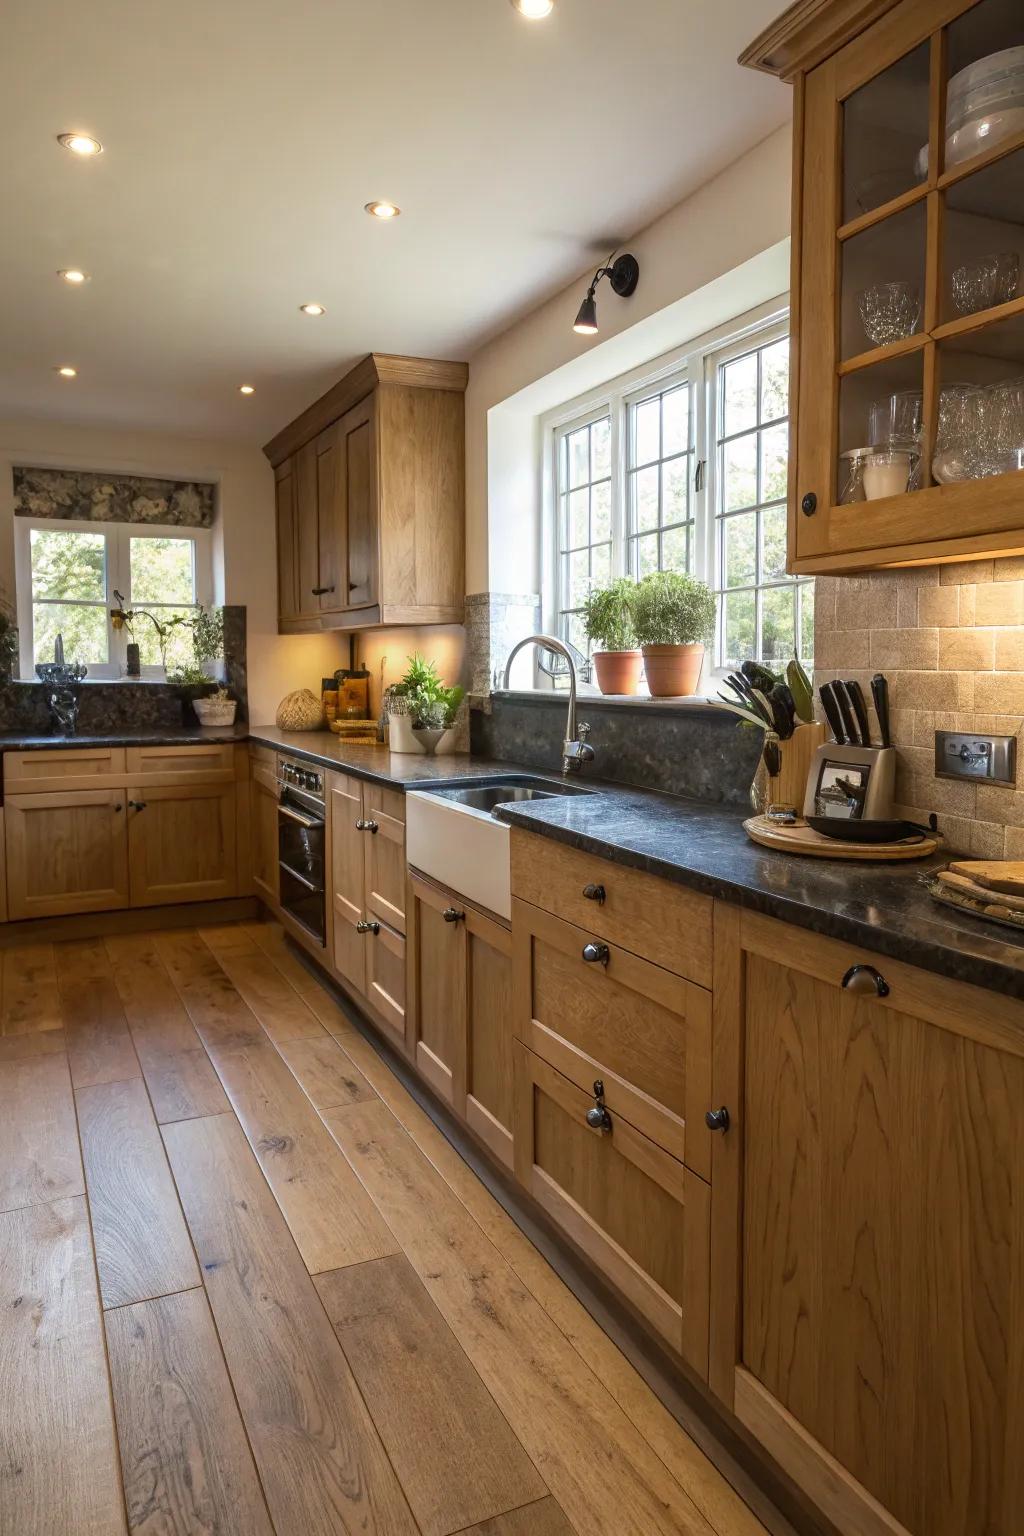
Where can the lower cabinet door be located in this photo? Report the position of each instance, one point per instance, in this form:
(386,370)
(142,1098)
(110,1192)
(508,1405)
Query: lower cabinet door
(181,843)
(489,1014)
(66,852)
(437,988)
(636,1212)
(385,977)
(263,831)
(383,820)
(347,865)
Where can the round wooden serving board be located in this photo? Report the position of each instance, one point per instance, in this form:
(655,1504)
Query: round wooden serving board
(803,839)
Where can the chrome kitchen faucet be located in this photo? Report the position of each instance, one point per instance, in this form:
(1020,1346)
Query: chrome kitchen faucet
(576,750)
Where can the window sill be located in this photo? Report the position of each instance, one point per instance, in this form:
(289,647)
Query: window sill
(558,699)
(98,682)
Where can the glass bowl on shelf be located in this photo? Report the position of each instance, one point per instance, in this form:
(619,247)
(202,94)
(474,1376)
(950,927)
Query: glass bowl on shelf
(889,311)
(981,284)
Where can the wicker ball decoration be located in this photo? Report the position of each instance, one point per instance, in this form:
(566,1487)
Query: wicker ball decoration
(300,711)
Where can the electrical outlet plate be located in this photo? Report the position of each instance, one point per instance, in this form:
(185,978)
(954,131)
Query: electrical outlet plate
(976,758)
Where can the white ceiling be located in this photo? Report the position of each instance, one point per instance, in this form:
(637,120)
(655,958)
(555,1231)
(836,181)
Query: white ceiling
(242,138)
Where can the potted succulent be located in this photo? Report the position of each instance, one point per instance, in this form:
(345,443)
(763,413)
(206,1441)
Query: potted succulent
(674,615)
(607,615)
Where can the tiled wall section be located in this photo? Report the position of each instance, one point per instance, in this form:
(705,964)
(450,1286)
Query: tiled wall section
(950,639)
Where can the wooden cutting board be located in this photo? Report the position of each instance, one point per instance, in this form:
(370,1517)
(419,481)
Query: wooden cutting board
(803,839)
(949,877)
(1004,875)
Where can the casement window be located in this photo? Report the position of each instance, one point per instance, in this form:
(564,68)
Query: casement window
(68,572)
(685,469)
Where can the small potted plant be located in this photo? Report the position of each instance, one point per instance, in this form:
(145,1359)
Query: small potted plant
(218,707)
(674,615)
(421,709)
(608,620)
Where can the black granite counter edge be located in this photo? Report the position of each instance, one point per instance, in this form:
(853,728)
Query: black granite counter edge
(423,773)
(156,736)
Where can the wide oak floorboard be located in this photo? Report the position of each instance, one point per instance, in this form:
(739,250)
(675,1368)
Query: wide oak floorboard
(220,1016)
(541,1519)
(188,1469)
(47,1042)
(278,1007)
(581,1442)
(454,1453)
(326,1075)
(59,1471)
(323,1468)
(142,1243)
(31,1000)
(100,1048)
(39,1158)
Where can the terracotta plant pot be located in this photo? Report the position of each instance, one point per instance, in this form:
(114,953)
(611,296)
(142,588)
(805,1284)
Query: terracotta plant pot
(673,671)
(618,671)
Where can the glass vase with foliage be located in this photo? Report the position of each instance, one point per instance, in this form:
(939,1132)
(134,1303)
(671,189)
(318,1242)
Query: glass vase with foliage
(608,619)
(674,614)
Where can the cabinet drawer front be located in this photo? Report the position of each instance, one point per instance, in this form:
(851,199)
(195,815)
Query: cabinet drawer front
(644,1031)
(651,917)
(634,1211)
(176,765)
(385,855)
(385,978)
(62,768)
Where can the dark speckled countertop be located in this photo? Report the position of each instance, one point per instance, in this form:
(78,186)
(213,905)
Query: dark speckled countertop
(880,906)
(145,736)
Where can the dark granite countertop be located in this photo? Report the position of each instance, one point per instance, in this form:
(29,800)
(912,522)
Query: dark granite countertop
(399,770)
(144,736)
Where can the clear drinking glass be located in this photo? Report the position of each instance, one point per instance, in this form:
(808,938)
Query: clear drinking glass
(889,311)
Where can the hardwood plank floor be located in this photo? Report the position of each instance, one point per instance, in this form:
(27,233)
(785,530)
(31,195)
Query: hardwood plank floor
(39,1157)
(462,1387)
(58,1458)
(186,1460)
(455,1455)
(323,1467)
(142,1245)
(31,1000)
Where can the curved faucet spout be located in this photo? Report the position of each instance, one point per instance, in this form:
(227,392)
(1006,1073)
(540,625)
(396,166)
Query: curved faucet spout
(576,750)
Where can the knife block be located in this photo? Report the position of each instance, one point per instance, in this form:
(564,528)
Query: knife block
(789,785)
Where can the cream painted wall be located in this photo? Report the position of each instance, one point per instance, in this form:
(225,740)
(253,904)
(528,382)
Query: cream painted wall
(244,536)
(722,251)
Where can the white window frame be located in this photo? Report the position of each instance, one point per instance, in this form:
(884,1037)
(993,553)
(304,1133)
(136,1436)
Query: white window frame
(694,364)
(118,570)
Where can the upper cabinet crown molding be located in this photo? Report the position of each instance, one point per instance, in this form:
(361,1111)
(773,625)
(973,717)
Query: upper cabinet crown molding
(360,381)
(808,32)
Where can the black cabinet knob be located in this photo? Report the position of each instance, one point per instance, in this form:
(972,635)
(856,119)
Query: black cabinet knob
(865,981)
(596,953)
(321,591)
(598,1117)
(717,1119)
(136,805)
(809,505)
(452,915)
(595,893)
(366,826)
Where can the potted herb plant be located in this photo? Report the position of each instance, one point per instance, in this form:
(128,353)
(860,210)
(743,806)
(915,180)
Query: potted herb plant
(674,615)
(422,709)
(607,615)
(218,707)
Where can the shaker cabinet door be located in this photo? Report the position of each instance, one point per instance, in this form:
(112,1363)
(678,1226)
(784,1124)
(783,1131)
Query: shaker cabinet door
(66,852)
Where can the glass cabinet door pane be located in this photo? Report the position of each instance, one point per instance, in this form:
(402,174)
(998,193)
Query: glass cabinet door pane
(881,430)
(885,135)
(983,239)
(980,429)
(985,94)
(883,278)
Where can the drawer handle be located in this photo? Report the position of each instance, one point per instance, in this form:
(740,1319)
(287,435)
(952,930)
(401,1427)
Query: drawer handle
(717,1119)
(321,591)
(598,953)
(367,927)
(367,826)
(865,981)
(595,893)
(452,915)
(136,805)
(598,1117)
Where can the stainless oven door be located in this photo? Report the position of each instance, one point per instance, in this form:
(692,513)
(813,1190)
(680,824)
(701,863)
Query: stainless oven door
(301,847)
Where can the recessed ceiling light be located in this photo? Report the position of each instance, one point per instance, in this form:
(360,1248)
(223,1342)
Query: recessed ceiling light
(535,10)
(381,209)
(80,144)
(312,309)
(67,372)
(246,389)
(74,277)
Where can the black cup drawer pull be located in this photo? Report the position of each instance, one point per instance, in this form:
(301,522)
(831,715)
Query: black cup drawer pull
(598,1117)
(366,826)
(717,1119)
(453,915)
(865,981)
(596,953)
(595,893)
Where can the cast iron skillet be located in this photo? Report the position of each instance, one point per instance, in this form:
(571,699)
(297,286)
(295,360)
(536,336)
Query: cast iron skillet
(854,831)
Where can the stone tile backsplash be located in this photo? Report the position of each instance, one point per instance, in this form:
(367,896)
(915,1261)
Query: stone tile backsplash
(950,639)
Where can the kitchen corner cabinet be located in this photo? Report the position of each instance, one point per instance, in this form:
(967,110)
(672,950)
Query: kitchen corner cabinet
(367,832)
(868,1241)
(459,1015)
(371,500)
(908,304)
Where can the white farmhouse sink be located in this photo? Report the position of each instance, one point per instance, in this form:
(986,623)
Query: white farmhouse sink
(452,837)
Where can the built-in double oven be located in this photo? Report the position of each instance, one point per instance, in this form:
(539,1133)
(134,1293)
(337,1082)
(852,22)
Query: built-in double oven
(301,845)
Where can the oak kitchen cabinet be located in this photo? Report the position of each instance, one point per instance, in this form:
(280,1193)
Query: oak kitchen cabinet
(99,829)
(868,1243)
(371,500)
(459,1010)
(888,191)
(263,796)
(367,839)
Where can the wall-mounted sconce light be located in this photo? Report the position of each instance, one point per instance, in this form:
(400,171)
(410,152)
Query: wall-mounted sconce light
(623,273)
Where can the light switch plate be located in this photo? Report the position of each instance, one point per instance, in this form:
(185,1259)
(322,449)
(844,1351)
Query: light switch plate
(979,759)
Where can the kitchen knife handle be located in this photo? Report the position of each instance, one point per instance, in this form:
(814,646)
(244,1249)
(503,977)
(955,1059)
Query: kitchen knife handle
(880,695)
(860,710)
(832,715)
(846,711)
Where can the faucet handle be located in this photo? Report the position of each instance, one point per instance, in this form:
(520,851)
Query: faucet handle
(582,730)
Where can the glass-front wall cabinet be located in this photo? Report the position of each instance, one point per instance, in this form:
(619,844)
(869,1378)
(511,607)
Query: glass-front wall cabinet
(909,416)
